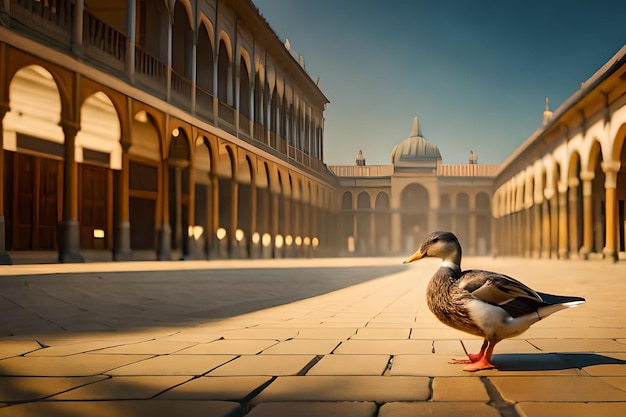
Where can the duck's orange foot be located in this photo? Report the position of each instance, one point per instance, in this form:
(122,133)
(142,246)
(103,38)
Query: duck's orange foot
(480,365)
(473,357)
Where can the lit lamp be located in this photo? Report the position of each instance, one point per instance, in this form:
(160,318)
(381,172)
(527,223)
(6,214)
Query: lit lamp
(255,246)
(266,243)
(278,246)
(222,243)
(288,246)
(241,244)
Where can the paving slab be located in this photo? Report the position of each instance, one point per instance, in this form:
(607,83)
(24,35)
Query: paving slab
(225,347)
(458,389)
(578,345)
(442,409)
(382,347)
(10,348)
(303,347)
(386,334)
(193,365)
(232,388)
(123,388)
(313,409)
(571,409)
(271,365)
(350,365)
(557,388)
(76,365)
(152,347)
(345,388)
(161,408)
(18,389)
(337,333)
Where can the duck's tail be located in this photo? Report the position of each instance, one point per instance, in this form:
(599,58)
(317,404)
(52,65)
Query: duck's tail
(556,303)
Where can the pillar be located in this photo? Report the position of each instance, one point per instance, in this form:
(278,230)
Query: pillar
(610,168)
(234,209)
(554,224)
(121,237)
(190,243)
(563,221)
(164,241)
(587,178)
(213,216)
(572,202)
(536,250)
(131,22)
(545,223)
(69,229)
(5,259)
(77,27)
(397,246)
(472,232)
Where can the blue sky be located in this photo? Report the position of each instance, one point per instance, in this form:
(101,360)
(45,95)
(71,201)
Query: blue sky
(476,73)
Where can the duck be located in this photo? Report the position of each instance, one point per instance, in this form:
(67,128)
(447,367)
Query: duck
(486,304)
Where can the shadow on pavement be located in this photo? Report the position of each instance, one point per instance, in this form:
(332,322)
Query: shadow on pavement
(552,361)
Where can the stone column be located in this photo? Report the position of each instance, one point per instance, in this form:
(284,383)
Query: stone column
(121,237)
(77,27)
(234,210)
(536,250)
(563,224)
(572,202)
(587,178)
(397,246)
(5,259)
(214,214)
(610,168)
(545,223)
(189,245)
(131,22)
(555,203)
(69,229)
(164,241)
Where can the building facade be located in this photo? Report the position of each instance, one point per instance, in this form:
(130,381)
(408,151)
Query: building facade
(562,194)
(389,209)
(171,128)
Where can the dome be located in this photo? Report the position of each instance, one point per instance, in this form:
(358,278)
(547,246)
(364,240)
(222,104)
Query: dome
(414,148)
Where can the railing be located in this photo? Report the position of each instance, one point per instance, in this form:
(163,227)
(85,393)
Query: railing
(226,115)
(52,18)
(259,132)
(244,125)
(103,42)
(204,104)
(181,90)
(150,70)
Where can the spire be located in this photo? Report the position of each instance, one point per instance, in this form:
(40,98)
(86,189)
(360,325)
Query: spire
(360,159)
(415,130)
(547,114)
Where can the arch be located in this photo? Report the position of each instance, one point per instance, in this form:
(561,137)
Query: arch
(414,207)
(382,201)
(205,62)
(224,74)
(363,200)
(346,201)
(100,131)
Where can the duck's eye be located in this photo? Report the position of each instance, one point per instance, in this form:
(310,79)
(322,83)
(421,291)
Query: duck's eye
(435,239)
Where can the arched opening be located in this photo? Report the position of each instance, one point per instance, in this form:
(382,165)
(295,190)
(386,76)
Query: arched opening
(598,209)
(143,181)
(223,73)
(98,142)
(445,212)
(178,186)
(363,223)
(383,224)
(575,205)
(462,214)
(414,207)
(204,74)
(33,157)
(244,97)
(483,224)
(202,209)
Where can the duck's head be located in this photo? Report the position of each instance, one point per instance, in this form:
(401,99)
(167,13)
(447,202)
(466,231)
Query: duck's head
(443,245)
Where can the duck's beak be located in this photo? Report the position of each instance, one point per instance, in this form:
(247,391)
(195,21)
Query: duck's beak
(415,257)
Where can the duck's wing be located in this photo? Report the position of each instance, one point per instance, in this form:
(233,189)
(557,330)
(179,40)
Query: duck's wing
(501,290)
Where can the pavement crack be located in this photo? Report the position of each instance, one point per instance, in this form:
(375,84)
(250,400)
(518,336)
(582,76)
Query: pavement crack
(504,407)
(310,365)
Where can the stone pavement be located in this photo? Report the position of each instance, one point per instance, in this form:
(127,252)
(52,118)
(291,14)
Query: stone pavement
(318,337)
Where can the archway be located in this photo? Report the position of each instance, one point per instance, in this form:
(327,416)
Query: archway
(414,207)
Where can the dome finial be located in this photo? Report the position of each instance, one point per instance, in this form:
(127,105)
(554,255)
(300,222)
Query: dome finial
(416,128)
(547,114)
